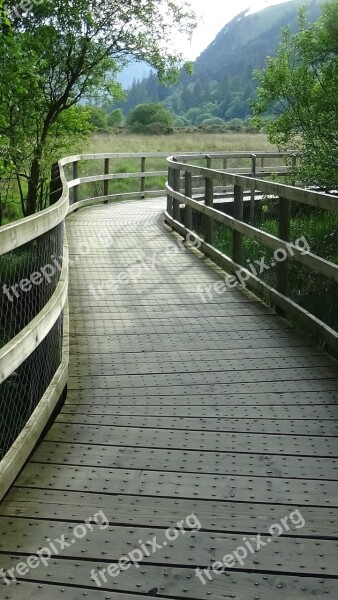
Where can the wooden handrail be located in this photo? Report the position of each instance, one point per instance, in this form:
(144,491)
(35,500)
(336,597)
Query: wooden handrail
(245,186)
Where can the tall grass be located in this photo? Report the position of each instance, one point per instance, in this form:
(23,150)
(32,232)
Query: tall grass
(179,142)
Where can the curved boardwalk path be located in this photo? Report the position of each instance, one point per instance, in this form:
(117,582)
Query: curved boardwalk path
(177,408)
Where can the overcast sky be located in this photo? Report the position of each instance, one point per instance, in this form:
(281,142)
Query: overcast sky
(214,14)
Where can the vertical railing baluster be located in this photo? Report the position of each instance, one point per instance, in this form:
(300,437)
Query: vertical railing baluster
(237,238)
(253,188)
(284,226)
(169,197)
(143,179)
(75,176)
(188,193)
(176,188)
(106,181)
(209,201)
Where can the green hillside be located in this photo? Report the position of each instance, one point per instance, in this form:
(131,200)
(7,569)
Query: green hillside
(222,84)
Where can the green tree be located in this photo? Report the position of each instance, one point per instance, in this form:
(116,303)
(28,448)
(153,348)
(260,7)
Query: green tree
(300,89)
(73,51)
(98,118)
(116,118)
(150,118)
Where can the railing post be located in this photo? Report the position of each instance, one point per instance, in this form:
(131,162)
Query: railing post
(143,179)
(169,198)
(55,186)
(294,165)
(176,188)
(75,176)
(237,238)
(209,201)
(106,181)
(284,223)
(188,193)
(253,189)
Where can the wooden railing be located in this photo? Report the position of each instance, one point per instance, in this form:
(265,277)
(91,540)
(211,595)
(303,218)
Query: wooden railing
(181,206)
(47,227)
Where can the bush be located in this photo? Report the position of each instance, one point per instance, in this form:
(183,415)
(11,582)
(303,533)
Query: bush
(158,129)
(150,118)
(235,125)
(213,121)
(98,118)
(116,118)
(180,122)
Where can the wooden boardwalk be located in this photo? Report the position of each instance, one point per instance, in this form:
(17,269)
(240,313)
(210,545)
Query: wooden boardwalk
(214,416)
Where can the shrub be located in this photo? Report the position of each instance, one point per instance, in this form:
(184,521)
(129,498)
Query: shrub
(150,118)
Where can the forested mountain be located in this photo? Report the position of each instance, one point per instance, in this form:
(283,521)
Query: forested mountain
(222,84)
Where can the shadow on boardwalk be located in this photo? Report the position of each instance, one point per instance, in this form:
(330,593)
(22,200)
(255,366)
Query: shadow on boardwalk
(214,420)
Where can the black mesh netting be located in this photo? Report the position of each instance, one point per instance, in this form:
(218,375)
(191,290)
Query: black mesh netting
(29,276)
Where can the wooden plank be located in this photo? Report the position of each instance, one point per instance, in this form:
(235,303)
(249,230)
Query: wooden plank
(190,461)
(124,358)
(49,591)
(172,582)
(174,380)
(196,366)
(258,426)
(80,403)
(284,393)
(165,512)
(281,554)
(192,440)
(178,485)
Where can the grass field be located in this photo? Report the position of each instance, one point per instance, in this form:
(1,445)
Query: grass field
(179,142)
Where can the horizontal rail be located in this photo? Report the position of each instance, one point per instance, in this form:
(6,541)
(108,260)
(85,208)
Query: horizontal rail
(255,190)
(13,354)
(16,351)
(295,194)
(286,304)
(310,260)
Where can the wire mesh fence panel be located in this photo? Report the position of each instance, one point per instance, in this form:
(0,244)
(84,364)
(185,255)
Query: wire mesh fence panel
(29,276)
(22,391)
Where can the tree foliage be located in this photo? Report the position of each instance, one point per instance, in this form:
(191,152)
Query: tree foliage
(116,118)
(300,88)
(150,118)
(63,52)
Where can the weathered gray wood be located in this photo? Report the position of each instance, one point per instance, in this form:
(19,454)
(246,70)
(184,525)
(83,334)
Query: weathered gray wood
(106,181)
(189,461)
(143,178)
(253,190)
(160,423)
(200,546)
(194,440)
(75,189)
(327,334)
(209,201)
(237,237)
(179,580)
(162,512)
(284,225)
(177,485)
(188,192)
